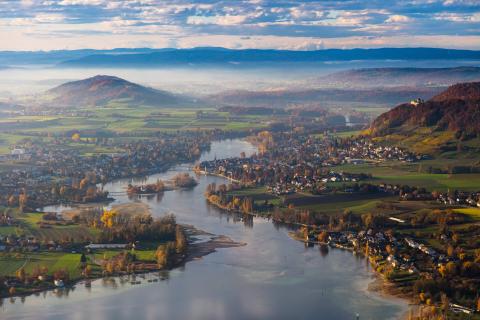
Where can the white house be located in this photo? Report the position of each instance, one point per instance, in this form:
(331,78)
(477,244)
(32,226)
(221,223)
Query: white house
(17,152)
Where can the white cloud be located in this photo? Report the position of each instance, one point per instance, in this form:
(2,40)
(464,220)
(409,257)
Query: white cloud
(226,20)
(81,2)
(344,21)
(49,18)
(17,22)
(27,3)
(460,2)
(396,18)
(305,13)
(118,22)
(458,17)
(114,4)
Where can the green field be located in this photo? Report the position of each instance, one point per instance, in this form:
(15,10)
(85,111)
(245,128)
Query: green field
(407,174)
(338,203)
(29,227)
(52,260)
(119,120)
(474,213)
(329,204)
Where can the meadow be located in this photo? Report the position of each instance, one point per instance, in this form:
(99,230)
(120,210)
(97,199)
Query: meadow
(408,174)
(120,121)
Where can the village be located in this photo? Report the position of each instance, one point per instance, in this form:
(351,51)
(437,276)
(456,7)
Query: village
(400,259)
(306,164)
(45,174)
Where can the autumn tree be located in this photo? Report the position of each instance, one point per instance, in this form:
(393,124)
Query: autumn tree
(164,255)
(323,236)
(247,205)
(108,218)
(450,251)
(61,274)
(12,200)
(84,183)
(445,304)
(21,274)
(451,268)
(22,201)
(76,137)
(180,240)
(87,272)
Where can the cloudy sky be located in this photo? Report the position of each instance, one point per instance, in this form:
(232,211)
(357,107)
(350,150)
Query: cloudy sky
(285,24)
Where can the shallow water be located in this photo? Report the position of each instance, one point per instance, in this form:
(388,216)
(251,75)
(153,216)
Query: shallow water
(272,277)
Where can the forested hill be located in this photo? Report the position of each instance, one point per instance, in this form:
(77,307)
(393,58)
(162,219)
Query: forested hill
(102,89)
(449,122)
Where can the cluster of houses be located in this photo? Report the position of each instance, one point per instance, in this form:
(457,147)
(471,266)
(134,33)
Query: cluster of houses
(301,183)
(302,163)
(23,243)
(361,149)
(7,221)
(16,243)
(402,252)
(55,167)
(279,176)
(460,198)
(451,198)
(405,254)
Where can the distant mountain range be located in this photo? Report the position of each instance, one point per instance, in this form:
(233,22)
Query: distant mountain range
(57,56)
(393,77)
(210,55)
(102,90)
(451,116)
(138,57)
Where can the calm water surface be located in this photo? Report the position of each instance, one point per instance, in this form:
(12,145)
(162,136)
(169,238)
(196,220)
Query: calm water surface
(272,277)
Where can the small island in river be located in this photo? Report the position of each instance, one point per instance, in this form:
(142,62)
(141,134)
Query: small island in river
(181,180)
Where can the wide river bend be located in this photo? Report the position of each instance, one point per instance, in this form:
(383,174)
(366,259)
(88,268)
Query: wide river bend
(272,277)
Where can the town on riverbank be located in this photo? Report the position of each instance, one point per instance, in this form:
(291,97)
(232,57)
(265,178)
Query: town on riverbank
(421,239)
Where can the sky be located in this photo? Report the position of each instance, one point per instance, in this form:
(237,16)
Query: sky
(238,24)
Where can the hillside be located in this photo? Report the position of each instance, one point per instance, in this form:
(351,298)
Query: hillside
(102,90)
(449,121)
(461,91)
(393,77)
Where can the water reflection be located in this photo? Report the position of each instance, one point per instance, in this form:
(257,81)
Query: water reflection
(323,250)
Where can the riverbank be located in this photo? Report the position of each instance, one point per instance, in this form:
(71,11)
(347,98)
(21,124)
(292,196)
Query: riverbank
(198,171)
(197,248)
(379,286)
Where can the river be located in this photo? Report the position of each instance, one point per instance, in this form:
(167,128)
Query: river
(272,277)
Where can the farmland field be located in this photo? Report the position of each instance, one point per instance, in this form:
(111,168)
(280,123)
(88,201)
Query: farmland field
(407,174)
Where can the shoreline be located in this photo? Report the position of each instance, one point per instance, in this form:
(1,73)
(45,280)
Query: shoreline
(377,284)
(387,290)
(196,250)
